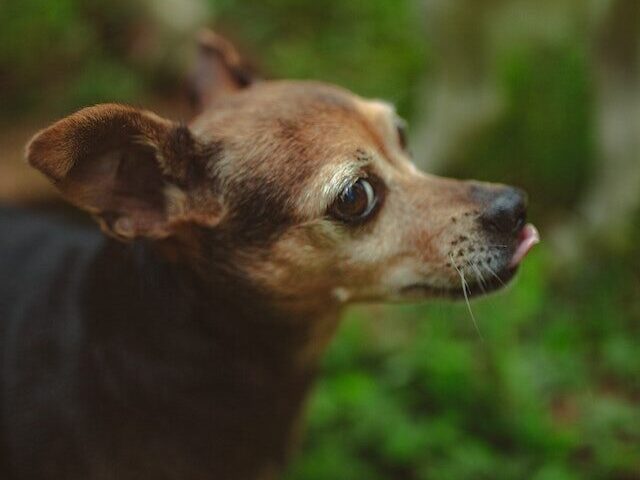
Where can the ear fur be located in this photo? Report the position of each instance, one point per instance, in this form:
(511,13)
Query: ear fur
(219,70)
(137,173)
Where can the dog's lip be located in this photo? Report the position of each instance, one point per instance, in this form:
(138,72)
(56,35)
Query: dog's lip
(528,238)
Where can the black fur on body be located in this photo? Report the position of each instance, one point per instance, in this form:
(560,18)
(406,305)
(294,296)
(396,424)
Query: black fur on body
(117,363)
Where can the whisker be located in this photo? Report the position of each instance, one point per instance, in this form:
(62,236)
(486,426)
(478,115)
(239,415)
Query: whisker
(473,267)
(481,279)
(466,297)
(492,272)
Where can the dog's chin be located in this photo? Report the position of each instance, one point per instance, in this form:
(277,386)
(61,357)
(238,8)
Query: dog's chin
(420,291)
(527,238)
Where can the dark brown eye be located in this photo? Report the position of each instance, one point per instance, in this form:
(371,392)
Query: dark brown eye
(356,202)
(401,127)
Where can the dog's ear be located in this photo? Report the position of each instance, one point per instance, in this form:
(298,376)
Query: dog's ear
(219,70)
(137,173)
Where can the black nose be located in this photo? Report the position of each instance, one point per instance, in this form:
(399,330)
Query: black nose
(506,211)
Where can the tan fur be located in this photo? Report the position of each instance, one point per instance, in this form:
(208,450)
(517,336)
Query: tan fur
(409,242)
(244,197)
(313,140)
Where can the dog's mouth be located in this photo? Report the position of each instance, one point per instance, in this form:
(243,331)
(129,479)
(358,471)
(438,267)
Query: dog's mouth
(479,277)
(527,239)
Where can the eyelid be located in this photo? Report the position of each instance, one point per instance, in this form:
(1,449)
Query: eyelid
(375,190)
(372,198)
(361,174)
(341,178)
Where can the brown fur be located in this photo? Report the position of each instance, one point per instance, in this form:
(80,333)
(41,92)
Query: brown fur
(242,197)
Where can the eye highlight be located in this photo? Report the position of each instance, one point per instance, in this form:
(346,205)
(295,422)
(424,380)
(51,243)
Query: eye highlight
(356,202)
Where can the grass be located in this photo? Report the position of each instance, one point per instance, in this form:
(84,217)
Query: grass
(550,393)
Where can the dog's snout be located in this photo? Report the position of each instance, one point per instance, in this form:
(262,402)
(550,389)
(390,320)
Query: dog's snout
(506,211)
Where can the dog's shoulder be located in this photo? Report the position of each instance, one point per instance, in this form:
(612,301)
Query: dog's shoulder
(39,254)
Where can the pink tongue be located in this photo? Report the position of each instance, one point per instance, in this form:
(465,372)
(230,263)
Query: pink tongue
(529,237)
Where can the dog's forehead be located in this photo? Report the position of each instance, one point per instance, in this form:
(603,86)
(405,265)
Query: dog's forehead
(304,106)
(299,140)
(282,125)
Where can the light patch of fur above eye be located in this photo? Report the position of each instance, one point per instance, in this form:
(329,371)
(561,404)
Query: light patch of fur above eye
(378,108)
(327,186)
(381,114)
(383,117)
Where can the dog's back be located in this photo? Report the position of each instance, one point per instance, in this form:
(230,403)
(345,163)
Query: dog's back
(101,376)
(41,261)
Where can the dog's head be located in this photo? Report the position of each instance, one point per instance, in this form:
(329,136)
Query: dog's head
(303,189)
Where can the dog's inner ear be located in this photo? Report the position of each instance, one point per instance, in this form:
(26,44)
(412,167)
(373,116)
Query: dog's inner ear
(124,188)
(219,70)
(137,173)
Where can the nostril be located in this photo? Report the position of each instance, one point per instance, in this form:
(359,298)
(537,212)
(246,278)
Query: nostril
(507,211)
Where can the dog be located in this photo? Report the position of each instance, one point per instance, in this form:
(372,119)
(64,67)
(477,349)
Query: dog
(182,344)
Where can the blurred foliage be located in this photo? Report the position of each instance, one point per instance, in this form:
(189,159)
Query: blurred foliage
(413,392)
(545,137)
(63,54)
(374,47)
(550,391)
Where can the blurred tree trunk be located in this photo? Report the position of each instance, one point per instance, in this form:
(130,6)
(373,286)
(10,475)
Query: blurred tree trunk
(609,207)
(462,96)
(168,32)
(615,195)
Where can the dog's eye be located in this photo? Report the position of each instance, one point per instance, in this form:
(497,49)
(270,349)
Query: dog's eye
(401,127)
(356,202)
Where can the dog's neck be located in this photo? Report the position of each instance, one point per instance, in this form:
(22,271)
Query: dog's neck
(165,293)
(216,348)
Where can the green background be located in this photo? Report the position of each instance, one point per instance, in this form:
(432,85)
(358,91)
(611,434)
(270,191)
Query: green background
(550,387)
